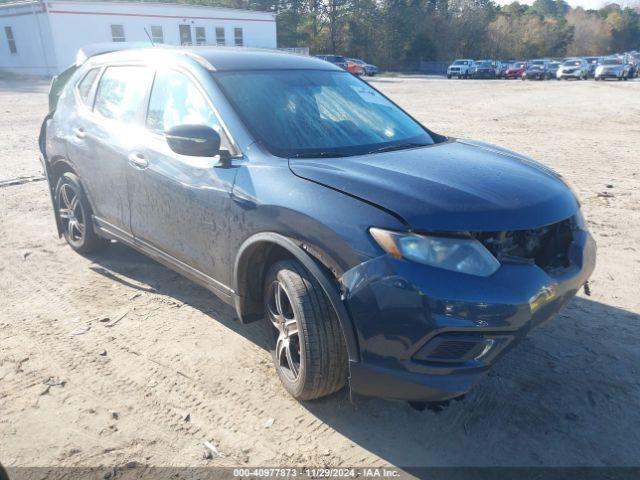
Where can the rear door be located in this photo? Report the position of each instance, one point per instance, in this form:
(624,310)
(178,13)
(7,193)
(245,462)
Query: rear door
(104,138)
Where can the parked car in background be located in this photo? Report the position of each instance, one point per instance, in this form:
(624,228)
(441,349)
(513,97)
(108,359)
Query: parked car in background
(612,67)
(374,251)
(484,69)
(592,62)
(536,70)
(553,67)
(354,68)
(504,66)
(460,68)
(576,68)
(369,70)
(515,70)
(337,60)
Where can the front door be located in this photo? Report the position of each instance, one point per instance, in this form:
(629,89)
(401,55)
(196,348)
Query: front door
(185,35)
(179,204)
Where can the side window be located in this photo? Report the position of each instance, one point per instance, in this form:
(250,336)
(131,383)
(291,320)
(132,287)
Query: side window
(10,40)
(220,36)
(117,33)
(157,35)
(175,100)
(121,92)
(237,37)
(84,85)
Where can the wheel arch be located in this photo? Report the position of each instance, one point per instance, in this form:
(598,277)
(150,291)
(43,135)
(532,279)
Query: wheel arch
(253,259)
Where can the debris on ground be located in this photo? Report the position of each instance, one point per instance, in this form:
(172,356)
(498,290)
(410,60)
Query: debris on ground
(269,422)
(81,331)
(117,319)
(211,449)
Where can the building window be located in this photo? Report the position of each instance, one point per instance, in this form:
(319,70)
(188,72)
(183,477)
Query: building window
(220,36)
(117,33)
(157,35)
(237,35)
(10,40)
(201,37)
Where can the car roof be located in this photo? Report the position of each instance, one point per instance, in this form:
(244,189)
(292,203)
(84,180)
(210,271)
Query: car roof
(227,58)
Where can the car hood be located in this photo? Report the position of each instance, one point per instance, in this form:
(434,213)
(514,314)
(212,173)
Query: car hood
(457,185)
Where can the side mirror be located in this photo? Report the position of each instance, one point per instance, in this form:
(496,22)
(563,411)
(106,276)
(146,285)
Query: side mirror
(194,140)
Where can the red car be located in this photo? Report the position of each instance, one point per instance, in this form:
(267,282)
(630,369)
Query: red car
(354,68)
(515,70)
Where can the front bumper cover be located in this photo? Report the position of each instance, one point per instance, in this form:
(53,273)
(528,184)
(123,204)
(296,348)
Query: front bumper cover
(399,307)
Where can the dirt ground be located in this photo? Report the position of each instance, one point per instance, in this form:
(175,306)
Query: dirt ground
(177,369)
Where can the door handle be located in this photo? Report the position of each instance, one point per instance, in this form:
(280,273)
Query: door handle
(79,132)
(137,160)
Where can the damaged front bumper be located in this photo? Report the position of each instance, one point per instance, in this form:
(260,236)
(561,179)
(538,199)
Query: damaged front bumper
(427,334)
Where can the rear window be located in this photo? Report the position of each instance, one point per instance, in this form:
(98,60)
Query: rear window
(121,92)
(84,85)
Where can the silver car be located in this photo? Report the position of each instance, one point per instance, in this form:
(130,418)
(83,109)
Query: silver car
(577,68)
(612,67)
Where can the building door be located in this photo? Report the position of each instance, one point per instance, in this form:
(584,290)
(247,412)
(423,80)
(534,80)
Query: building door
(185,35)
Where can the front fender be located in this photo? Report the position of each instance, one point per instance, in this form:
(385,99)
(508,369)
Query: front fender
(297,250)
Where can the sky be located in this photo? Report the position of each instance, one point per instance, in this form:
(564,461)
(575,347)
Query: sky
(586,4)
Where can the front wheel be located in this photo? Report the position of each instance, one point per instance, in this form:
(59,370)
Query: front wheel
(308,346)
(75,215)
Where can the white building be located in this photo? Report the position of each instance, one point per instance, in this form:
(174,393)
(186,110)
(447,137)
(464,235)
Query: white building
(43,37)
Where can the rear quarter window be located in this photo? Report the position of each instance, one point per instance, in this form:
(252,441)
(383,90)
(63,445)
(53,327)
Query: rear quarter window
(84,85)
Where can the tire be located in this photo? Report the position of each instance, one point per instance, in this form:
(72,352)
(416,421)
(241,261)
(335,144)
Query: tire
(76,216)
(309,352)
(449,77)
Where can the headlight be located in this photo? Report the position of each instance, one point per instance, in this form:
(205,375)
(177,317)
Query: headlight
(463,255)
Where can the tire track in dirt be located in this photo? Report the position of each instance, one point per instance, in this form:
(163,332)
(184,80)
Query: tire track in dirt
(203,405)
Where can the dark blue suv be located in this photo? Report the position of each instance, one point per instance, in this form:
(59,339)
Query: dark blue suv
(376,251)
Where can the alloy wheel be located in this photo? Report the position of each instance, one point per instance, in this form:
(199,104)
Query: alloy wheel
(283,319)
(72,214)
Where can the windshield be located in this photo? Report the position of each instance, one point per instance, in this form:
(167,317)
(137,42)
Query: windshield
(518,65)
(317,113)
(460,62)
(484,64)
(538,62)
(571,63)
(610,61)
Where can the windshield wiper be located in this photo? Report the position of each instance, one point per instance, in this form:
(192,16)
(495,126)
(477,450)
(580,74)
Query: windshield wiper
(319,154)
(400,146)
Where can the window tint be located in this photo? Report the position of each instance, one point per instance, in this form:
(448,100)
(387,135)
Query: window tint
(84,85)
(175,100)
(121,92)
(117,33)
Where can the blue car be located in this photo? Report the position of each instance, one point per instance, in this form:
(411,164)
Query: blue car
(376,252)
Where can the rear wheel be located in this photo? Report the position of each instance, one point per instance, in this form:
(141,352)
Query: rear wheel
(75,215)
(308,347)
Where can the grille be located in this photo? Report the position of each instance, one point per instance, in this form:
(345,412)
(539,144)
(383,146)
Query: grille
(452,350)
(547,247)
